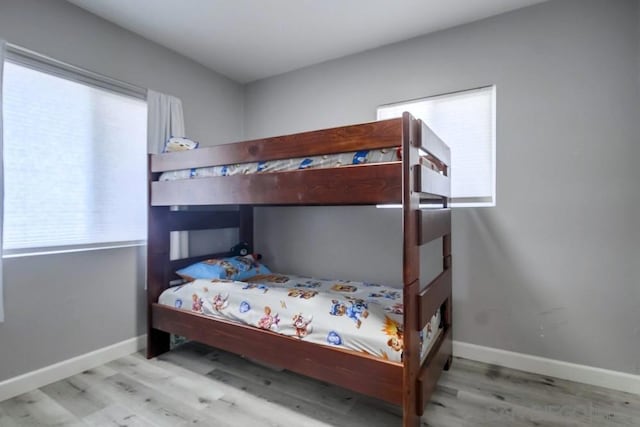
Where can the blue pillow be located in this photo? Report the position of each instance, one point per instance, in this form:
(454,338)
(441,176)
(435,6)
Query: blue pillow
(238,268)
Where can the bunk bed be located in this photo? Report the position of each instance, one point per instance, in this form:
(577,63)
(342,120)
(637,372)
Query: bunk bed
(420,175)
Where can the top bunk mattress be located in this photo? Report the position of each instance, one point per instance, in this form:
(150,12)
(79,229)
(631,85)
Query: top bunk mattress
(357,316)
(384,155)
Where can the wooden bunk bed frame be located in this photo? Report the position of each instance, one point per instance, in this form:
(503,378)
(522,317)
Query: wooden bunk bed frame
(409,383)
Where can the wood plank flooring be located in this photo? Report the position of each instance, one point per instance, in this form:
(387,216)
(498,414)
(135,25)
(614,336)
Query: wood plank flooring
(198,385)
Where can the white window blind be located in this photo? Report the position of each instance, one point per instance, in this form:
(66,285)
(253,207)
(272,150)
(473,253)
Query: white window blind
(466,123)
(75,163)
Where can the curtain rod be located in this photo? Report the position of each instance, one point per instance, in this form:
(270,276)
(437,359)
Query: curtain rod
(35,56)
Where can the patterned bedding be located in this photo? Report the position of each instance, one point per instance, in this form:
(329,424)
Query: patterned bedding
(383,155)
(362,317)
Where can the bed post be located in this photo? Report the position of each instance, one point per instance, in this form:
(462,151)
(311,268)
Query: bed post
(245,228)
(447,317)
(411,273)
(158,264)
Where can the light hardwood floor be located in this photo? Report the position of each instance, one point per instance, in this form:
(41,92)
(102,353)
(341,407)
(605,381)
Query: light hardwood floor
(198,385)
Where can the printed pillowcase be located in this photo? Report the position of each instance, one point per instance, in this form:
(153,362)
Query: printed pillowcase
(238,268)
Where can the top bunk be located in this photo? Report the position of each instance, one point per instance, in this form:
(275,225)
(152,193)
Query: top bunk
(421,166)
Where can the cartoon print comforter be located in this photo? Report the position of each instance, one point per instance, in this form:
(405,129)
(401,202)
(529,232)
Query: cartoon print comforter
(362,317)
(383,155)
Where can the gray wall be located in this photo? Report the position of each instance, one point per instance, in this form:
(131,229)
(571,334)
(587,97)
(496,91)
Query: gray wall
(553,269)
(62,306)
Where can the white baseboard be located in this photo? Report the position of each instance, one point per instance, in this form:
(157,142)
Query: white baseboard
(49,374)
(615,380)
(538,365)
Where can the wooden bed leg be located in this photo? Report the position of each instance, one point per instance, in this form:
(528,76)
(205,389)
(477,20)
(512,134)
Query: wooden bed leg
(410,420)
(411,359)
(158,342)
(448,306)
(447,365)
(448,322)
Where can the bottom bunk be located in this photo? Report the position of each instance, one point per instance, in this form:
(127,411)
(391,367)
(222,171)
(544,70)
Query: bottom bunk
(318,332)
(359,372)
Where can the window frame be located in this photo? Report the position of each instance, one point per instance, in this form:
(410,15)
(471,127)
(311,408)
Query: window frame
(489,201)
(41,63)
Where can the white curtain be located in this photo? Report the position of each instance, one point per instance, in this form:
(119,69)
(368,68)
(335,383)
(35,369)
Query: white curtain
(165,119)
(3,50)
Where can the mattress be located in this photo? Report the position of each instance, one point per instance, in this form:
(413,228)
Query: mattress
(357,316)
(383,155)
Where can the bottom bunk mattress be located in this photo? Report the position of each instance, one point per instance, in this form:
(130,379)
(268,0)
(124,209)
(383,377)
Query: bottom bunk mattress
(357,316)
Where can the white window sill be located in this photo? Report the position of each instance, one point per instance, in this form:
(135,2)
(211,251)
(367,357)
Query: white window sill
(54,250)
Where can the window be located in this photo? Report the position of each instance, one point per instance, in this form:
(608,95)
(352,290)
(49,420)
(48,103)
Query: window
(75,162)
(466,122)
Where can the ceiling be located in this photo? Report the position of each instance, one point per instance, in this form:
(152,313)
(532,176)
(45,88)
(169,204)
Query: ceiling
(248,40)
